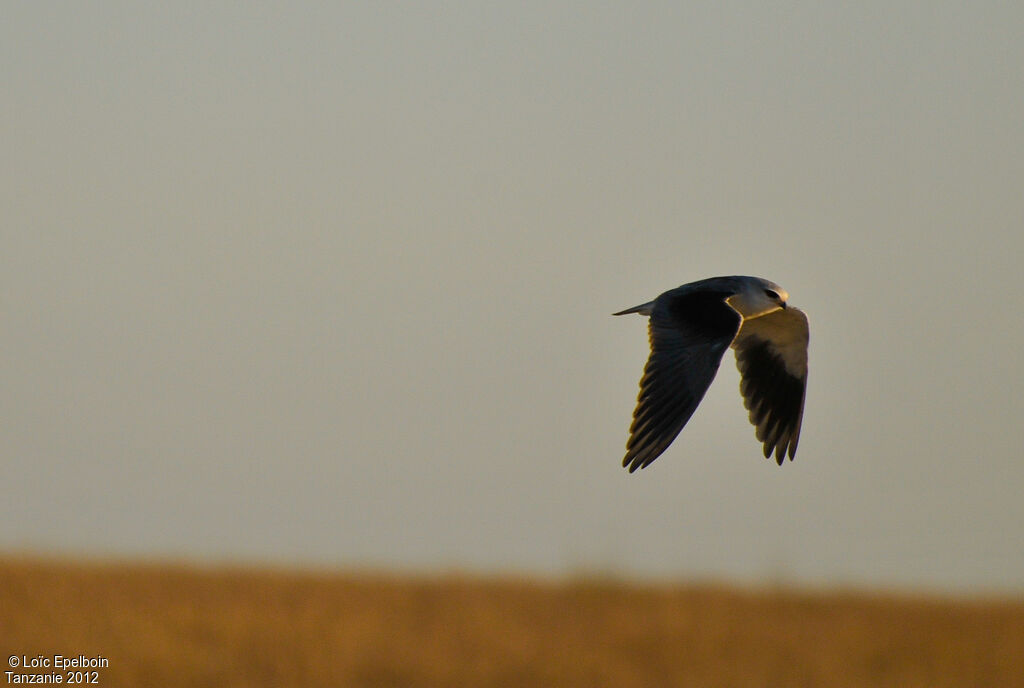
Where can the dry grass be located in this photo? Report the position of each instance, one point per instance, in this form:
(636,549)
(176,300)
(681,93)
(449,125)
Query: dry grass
(180,626)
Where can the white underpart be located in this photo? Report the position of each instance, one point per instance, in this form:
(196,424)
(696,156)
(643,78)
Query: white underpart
(785,330)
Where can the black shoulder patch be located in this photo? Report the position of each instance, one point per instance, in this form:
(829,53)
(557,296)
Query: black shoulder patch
(704,314)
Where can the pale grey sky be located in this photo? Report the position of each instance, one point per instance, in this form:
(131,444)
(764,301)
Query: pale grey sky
(332,283)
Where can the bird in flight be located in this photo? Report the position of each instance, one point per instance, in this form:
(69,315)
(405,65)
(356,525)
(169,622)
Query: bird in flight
(690,328)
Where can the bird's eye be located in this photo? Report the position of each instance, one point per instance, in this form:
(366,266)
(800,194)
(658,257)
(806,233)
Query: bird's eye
(772,294)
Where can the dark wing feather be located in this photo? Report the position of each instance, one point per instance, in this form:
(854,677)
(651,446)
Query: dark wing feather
(771,353)
(689,332)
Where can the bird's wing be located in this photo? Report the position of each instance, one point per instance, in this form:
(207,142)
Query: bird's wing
(771,353)
(689,332)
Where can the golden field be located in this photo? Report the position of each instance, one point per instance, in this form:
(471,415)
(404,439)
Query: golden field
(176,625)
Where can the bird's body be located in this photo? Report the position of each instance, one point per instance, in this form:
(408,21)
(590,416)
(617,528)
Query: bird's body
(690,328)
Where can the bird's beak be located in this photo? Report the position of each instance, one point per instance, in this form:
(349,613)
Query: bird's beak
(783,305)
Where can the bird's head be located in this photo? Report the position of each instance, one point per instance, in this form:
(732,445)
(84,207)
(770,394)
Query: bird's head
(758,297)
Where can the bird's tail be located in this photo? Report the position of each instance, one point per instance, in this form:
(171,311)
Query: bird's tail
(642,309)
